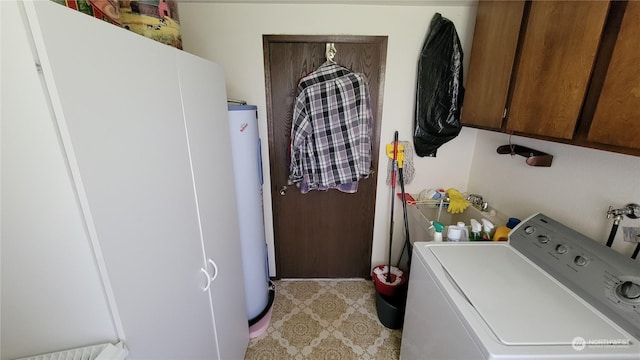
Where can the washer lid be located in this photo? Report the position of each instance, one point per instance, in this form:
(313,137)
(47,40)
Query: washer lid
(521,304)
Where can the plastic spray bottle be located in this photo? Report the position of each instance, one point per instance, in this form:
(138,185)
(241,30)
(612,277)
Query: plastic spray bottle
(487,228)
(437,236)
(476,230)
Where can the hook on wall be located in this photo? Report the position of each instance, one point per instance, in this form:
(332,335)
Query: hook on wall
(534,157)
(330,51)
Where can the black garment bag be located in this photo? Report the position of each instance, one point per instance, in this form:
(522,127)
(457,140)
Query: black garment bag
(439,92)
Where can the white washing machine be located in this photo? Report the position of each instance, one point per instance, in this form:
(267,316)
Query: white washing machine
(549,293)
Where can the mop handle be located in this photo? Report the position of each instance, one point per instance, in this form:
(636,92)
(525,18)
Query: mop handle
(407,240)
(393,195)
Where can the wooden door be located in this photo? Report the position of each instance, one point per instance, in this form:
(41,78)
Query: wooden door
(321,234)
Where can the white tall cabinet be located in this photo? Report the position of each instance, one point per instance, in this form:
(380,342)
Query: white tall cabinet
(51,295)
(144,133)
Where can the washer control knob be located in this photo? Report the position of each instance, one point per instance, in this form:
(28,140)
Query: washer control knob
(629,290)
(543,239)
(529,230)
(561,249)
(580,260)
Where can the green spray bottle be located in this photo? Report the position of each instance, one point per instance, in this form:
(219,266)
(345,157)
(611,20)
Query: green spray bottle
(476,230)
(438,226)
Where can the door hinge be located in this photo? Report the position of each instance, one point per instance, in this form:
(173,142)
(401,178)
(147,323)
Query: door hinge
(39,67)
(505,113)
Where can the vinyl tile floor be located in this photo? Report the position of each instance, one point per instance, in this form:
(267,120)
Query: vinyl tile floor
(325,319)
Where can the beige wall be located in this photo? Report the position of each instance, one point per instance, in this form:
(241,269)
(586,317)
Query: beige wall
(231,35)
(576,190)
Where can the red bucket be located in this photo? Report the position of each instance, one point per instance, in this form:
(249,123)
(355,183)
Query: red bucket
(379,274)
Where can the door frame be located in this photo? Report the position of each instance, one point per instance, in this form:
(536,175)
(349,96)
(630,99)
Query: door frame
(381,41)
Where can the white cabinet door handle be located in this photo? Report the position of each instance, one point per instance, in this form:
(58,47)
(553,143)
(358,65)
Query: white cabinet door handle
(206,287)
(215,269)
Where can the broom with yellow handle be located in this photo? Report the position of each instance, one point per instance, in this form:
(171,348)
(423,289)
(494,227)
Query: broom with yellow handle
(399,160)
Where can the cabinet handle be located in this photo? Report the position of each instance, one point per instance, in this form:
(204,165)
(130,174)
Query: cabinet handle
(215,270)
(206,287)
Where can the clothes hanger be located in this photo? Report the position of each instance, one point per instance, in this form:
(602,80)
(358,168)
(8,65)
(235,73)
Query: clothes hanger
(330,52)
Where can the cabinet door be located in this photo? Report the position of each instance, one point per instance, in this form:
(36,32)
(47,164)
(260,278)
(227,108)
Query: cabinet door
(495,40)
(556,60)
(48,269)
(117,102)
(206,119)
(616,119)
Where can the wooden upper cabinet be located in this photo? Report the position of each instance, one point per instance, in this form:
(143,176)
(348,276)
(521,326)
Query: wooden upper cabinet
(564,70)
(558,51)
(617,116)
(491,61)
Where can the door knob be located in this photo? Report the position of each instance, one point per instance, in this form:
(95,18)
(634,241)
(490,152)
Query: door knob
(283,190)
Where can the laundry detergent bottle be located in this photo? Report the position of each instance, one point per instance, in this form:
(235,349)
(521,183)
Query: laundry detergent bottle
(457,232)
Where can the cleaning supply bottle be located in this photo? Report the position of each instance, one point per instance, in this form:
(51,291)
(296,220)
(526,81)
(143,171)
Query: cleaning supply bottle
(438,227)
(476,230)
(512,222)
(487,228)
(464,230)
(501,233)
(457,232)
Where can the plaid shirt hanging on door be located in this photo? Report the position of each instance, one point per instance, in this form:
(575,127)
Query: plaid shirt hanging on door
(331,130)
